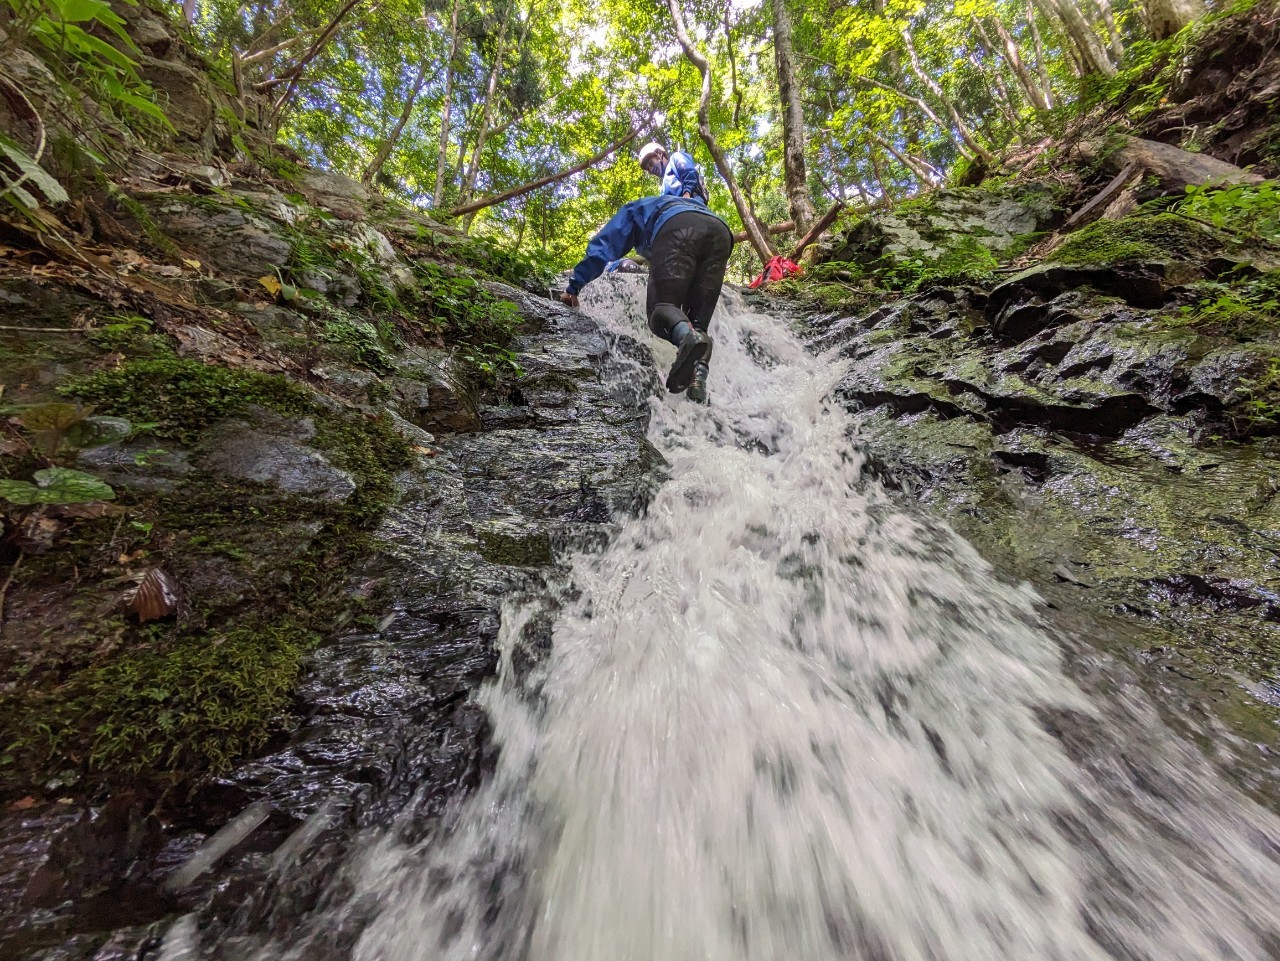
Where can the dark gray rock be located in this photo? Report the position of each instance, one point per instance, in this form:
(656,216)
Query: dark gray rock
(136,465)
(246,453)
(233,241)
(1013,307)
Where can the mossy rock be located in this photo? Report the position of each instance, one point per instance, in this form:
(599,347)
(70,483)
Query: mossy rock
(1161,239)
(513,544)
(260,571)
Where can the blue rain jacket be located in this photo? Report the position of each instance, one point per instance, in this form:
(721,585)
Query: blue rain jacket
(634,227)
(682,176)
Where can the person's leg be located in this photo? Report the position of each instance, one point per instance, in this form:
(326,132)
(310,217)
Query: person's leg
(676,255)
(672,265)
(704,294)
(714,247)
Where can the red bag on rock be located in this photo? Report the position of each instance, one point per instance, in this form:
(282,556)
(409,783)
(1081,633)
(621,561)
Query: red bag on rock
(777,268)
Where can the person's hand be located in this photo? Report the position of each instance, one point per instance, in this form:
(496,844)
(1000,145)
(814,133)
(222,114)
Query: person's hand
(569,299)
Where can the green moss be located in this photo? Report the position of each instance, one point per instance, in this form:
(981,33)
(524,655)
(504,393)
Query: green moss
(371,449)
(194,701)
(172,700)
(1153,238)
(966,261)
(130,335)
(181,397)
(176,700)
(281,167)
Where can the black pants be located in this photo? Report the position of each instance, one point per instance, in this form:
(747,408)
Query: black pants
(686,271)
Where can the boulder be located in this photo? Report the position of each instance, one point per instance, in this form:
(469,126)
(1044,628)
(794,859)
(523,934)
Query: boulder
(928,229)
(275,456)
(229,239)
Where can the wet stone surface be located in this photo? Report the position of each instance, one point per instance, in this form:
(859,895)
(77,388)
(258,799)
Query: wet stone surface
(1090,451)
(385,719)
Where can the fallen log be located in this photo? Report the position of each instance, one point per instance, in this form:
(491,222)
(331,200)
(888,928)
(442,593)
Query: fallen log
(1176,168)
(1097,206)
(783,228)
(816,230)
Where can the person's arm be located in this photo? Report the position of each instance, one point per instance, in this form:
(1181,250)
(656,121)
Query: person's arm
(615,239)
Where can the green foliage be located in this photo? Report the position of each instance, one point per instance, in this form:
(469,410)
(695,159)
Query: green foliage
(492,361)
(56,485)
(1261,400)
(180,397)
(27,174)
(69,36)
(107,71)
(1242,310)
(464,310)
(130,335)
(1248,210)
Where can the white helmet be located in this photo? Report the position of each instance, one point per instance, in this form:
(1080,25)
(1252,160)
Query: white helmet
(648,150)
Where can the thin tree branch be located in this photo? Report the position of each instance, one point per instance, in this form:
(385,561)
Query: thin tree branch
(475,205)
(317,45)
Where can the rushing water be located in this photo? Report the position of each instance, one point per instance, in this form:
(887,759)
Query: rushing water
(783,719)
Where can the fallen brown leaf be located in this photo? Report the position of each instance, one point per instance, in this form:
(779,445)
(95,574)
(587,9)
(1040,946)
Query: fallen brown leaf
(155,598)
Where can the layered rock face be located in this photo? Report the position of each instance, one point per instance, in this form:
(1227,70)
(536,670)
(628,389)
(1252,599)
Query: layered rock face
(1098,409)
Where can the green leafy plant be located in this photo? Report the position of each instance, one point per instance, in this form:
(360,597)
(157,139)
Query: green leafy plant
(493,361)
(1248,210)
(56,26)
(81,62)
(58,425)
(464,310)
(1261,400)
(56,485)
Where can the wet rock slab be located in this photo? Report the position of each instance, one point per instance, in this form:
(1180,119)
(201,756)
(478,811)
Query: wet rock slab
(1080,451)
(385,721)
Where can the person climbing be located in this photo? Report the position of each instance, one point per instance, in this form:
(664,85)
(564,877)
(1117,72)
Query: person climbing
(679,173)
(688,248)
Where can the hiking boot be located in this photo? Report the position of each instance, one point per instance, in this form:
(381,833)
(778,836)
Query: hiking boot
(694,346)
(698,386)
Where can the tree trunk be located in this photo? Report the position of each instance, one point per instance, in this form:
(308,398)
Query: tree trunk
(815,230)
(189,10)
(491,92)
(1176,168)
(474,205)
(797,180)
(446,109)
(389,143)
(928,111)
(1037,45)
(1113,33)
(907,161)
(733,65)
(1085,43)
(885,192)
(1035,96)
(962,128)
(759,239)
(1164,18)
(999,95)
(786,227)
